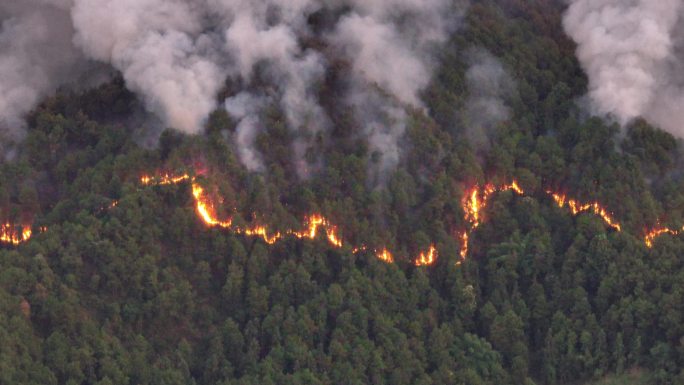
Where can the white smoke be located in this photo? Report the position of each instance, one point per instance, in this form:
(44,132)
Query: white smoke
(384,127)
(244,107)
(161,50)
(36,53)
(489,86)
(633,54)
(381,58)
(177,55)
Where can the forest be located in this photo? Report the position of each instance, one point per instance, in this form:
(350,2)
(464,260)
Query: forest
(110,273)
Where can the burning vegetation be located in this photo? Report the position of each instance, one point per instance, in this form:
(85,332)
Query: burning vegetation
(474,203)
(14,235)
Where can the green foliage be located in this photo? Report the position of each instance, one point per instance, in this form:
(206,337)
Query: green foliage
(141,292)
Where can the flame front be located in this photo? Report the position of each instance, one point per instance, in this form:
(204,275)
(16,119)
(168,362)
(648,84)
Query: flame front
(261,232)
(476,201)
(651,235)
(9,234)
(315,224)
(385,256)
(204,207)
(474,204)
(165,179)
(464,245)
(426,259)
(333,238)
(578,207)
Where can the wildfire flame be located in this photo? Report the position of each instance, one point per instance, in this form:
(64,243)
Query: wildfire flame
(204,206)
(385,255)
(315,224)
(426,259)
(474,202)
(316,221)
(261,232)
(578,207)
(164,179)
(9,234)
(333,238)
(464,245)
(477,199)
(651,235)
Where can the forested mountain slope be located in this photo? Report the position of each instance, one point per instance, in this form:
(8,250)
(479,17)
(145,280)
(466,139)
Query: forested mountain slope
(121,282)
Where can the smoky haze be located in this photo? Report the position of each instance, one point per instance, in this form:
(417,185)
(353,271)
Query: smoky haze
(489,88)
(177,55)
(633,54)
(36,52)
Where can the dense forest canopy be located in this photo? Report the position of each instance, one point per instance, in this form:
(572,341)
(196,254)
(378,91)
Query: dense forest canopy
(497,234)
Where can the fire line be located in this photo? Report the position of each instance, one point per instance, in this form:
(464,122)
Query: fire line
(474,203)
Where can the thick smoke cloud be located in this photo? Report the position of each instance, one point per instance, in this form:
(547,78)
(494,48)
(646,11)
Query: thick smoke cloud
(36,53)
(161,50)
(633,53)
(177,55)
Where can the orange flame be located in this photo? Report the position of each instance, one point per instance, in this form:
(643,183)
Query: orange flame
(514,186)
(204,209)
(472,207)
(333,238)
(164,179)
(10,235)
(474,203)
(477,199)
(464,245)
(577,207)
(385,256)
(315,222)
(260,231)
(426,259)
(650,236)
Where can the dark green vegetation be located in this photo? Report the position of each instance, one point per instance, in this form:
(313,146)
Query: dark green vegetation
(143,293)
(634,377)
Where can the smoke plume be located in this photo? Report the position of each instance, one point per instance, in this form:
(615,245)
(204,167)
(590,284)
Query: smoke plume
(633,54)
(489,86)
(244,107)
(177,55)
(36,54)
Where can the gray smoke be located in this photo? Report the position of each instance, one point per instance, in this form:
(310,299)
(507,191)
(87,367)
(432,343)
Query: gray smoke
(633,54)
(489,86)
(384,124)
(36,54)
(160,48)
(244,107)
(391,45)
(177,55)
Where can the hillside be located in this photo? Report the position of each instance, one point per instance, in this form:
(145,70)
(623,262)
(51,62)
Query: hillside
(507,236)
